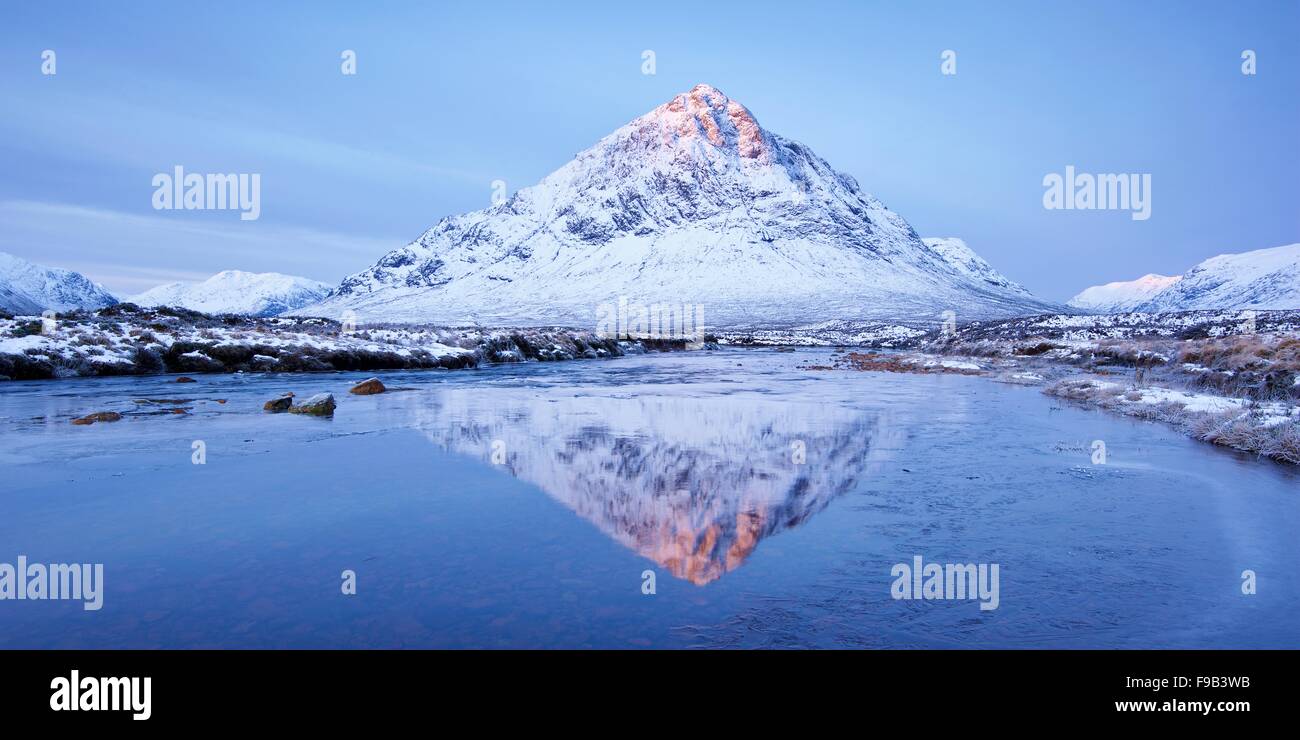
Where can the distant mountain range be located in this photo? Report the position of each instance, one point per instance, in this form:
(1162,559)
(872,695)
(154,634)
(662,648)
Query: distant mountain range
(693,203)
(1264,279)
(235,291)
(30,289)
(1122,296)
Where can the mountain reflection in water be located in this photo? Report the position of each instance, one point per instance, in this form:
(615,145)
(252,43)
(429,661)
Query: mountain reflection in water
(692,483)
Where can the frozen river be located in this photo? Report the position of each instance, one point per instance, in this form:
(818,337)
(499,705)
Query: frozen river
(534,505)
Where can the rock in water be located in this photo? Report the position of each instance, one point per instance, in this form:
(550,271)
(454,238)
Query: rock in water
(321,404)
(368,387)
(277,405)
(185,379)
(98,416)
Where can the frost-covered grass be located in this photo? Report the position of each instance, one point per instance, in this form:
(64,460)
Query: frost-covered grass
(827,334)
(1271,429)
(1218,352)
(128,340)
(895,362)
(1068,328)
(1217,376)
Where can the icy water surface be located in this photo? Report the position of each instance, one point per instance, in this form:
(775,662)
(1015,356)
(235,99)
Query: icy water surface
(520,506)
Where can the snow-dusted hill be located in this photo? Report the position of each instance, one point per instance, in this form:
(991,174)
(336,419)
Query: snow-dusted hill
(693,203)
(234,291)
(1261,279)
(1122,296)
(28,289)
(1264,279)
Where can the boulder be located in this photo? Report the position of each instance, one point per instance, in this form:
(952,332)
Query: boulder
(277,405)
(98,416)
(368,387)
(185,379)
(321,404)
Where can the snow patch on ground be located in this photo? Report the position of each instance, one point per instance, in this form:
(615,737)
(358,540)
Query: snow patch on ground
(1198,402)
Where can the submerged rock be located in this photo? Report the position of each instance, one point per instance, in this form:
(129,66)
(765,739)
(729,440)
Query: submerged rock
(368,387)
(277,405)
(321,404)
(186,379)
(98,416)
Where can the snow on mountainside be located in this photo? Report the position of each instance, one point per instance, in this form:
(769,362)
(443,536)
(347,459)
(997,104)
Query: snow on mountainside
(967,264)
(1261,279)
(693,203)
(1265,279)
(28,289)
(234,291)
(1122,296)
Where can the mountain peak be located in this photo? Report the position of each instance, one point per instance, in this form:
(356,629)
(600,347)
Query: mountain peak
(705,113)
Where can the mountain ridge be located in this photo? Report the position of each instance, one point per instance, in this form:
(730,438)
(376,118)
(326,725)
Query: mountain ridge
(1122,295)
(1260,279)
(237,291)
(29,289)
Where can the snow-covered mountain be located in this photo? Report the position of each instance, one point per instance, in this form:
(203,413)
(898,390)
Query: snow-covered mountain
(27,289)
(1264,279)
(1261,279)
(235,291)
(693,203)
(1122,296)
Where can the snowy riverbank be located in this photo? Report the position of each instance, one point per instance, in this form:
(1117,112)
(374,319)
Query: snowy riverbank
(1213,375)
(127,340)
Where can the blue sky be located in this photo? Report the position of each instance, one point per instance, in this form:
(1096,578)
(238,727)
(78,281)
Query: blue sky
(449,97)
